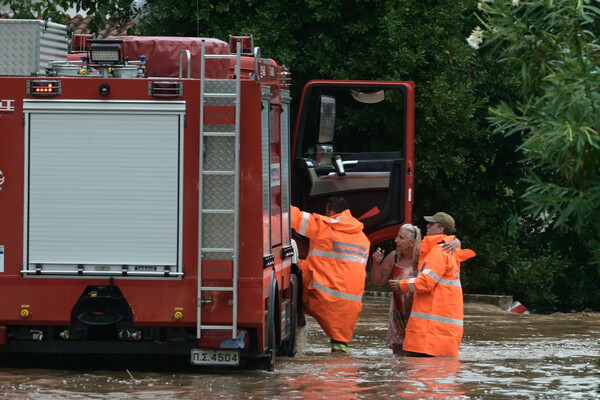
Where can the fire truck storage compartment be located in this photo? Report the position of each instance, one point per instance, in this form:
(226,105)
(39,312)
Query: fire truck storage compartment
(27,45)
(103,187)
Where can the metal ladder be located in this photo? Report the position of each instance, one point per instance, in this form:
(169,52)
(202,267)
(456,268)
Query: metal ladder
(219,184)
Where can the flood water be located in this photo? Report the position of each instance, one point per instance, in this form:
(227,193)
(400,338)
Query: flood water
(503,356)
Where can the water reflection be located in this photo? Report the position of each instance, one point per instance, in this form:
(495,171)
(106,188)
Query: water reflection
(334,377)
(431,378)
(364,376)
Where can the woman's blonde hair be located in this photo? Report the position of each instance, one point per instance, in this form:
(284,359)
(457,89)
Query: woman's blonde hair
(417,238)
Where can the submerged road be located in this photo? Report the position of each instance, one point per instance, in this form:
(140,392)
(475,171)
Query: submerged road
(503,356)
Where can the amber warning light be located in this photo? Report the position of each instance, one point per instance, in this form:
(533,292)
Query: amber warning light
(43,87)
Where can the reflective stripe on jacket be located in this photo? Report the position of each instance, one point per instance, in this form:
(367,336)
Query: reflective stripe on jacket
(435,326)
(334,271)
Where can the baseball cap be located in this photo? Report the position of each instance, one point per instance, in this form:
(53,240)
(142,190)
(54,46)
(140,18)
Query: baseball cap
(446,220)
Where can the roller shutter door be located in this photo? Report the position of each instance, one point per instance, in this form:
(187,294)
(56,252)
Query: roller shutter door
(103,187)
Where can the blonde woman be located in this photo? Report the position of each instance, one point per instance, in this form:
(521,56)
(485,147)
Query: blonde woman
(399,264)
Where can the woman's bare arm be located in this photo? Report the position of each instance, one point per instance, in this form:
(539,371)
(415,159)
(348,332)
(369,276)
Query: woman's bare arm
(451,246)
(382,267)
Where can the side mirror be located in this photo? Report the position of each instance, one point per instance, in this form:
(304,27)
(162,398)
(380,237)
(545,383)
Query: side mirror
(324,155)
(327,119)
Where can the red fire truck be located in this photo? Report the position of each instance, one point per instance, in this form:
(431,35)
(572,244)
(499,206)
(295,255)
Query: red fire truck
(145,186)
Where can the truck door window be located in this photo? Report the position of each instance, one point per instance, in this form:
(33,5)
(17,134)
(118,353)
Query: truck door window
(341,122)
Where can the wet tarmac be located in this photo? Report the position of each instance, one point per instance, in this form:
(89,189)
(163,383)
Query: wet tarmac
(503,356)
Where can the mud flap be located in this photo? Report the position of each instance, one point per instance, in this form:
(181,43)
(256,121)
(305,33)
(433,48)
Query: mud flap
(290,346)
(271,352)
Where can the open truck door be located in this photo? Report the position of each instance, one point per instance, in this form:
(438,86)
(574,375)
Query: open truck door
(354,139)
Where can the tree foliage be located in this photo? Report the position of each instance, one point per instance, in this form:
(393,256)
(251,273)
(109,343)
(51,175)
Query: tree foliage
(557,110)
(552,48)
(511,118)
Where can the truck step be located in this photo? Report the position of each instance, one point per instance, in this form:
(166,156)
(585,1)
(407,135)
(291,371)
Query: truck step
(220,134)
(216,327)
(224,172)
(221,95)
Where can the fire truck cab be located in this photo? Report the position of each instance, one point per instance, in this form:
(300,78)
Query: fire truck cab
(145,187)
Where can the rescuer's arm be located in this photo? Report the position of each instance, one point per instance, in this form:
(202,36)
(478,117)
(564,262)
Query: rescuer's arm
(303,223)
(382,267)
(434,269)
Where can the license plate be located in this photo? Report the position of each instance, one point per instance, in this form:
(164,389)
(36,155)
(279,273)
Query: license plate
(215,357)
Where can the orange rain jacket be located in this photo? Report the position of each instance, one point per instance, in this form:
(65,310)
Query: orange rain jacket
(334,272)
(435,326)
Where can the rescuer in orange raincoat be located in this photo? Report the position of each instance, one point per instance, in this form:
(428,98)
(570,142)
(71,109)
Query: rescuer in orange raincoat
(435,326)
(334,272)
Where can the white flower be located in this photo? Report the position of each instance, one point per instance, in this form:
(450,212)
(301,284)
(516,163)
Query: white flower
(515,3)
(482,3)
(473,42)
(476,38)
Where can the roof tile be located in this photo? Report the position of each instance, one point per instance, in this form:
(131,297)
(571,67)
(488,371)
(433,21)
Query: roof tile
(80,25)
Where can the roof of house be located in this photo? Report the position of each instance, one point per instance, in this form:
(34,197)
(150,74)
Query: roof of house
(80,24)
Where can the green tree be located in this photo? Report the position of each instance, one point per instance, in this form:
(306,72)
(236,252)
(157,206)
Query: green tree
(557,112)
(460,166)
(541,143)
(463,165)
(552,47)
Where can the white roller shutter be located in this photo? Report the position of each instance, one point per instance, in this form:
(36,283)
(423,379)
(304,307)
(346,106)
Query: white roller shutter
(104,187)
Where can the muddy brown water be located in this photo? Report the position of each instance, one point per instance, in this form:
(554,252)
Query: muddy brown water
(503,356)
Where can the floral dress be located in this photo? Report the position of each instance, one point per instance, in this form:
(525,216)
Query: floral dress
(400,307)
